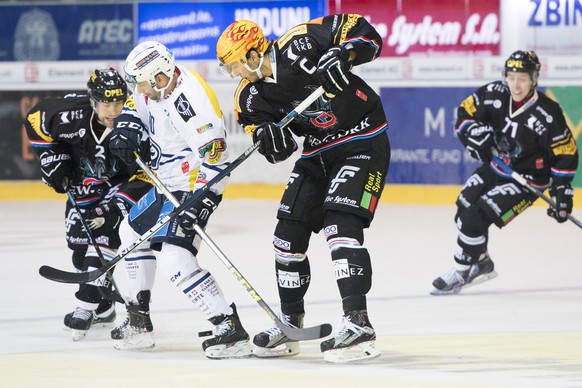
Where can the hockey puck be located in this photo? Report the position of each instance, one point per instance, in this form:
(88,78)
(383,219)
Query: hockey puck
(204,333)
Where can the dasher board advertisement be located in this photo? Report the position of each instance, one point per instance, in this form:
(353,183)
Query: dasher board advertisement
(429,27)
(191,30)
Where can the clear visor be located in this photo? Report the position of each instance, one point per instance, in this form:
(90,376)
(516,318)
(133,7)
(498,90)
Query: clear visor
(226,70)
(232,70)
(131,82)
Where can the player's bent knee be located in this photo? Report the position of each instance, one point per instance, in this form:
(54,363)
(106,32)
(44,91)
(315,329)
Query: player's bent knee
(343,230)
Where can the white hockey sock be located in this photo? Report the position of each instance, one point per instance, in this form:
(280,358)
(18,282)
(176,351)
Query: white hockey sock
(140,264)
(182,268)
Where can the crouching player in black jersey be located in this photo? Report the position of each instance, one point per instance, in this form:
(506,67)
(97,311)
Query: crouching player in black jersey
(71,137)
(337,182)
(528,131)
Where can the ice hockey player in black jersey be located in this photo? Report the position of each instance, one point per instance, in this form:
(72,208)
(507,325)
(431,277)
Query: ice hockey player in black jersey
(527,130)
(338,180)
(70,135)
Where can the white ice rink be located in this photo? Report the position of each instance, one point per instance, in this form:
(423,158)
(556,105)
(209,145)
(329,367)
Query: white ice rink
(522,329)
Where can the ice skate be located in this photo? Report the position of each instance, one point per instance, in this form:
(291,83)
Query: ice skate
(104,315)
(80,323)
(230,338)
(354,340)
(454,281)
(274,343)
(135,332)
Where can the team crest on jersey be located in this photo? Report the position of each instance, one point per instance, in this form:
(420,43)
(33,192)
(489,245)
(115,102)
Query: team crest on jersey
(184,107)
(214,149)
(318,114)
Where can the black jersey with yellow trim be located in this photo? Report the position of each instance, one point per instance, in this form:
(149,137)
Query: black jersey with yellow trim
(354,114)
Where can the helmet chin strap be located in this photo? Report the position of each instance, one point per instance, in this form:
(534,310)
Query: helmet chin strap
(162,91)
(257,71)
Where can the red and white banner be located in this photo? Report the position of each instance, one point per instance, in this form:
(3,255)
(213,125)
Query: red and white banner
(431,27)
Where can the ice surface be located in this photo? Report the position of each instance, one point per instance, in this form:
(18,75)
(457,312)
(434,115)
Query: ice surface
(522,329)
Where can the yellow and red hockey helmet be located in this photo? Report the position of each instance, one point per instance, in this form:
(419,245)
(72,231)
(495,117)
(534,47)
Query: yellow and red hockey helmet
(236,41)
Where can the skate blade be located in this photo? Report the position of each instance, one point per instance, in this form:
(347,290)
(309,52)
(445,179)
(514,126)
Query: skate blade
(456,290)
(142,341)
(241,349)
(286,349)
(360,352)
(78,335)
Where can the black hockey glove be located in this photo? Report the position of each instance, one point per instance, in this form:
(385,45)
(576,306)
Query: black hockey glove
(333,69)
(57,170)
(478,140)
(562,195)
(126,137)
(276,143)
(107,216)
(200,211)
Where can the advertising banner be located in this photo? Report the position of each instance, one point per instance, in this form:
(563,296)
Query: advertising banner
(191,30)
(429,27)
(549,27)
(17,160)
(66,32)
(425,149)
(424,146)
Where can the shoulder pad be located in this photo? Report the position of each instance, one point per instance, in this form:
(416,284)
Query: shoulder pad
(237,94)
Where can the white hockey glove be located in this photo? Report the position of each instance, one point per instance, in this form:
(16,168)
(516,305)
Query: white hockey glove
(479,141)
(200,211)
(333,69)
(56,168)
(563,195)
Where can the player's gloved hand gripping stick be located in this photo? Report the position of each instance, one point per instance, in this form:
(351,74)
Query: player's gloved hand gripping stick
(61,276)
(522,181)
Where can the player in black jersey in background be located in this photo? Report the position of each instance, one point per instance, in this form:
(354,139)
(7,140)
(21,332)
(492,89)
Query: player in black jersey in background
(70,136)
(528,131)
(338,180)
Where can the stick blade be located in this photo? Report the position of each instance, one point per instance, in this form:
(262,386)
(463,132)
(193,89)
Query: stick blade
(306,333)
(57,275)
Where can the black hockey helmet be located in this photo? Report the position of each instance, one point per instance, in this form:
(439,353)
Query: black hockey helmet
(523,62)
(106,85)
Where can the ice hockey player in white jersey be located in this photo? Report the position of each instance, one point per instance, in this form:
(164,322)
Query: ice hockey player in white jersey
(179,113)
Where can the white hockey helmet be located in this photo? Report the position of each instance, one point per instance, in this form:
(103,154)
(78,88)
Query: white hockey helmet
(147,60)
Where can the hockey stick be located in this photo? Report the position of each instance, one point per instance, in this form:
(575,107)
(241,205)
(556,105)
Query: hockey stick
(61,276)
(522,181)
(112,295)
(293,333)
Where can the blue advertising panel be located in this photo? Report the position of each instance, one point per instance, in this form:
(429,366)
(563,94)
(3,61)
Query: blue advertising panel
(66,32)
(191,30)
(425,148)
